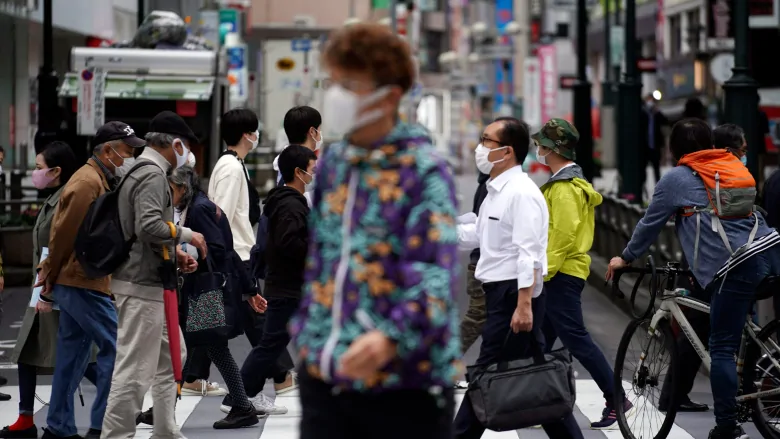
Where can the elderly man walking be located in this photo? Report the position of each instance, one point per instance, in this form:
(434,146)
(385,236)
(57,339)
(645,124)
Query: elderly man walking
(143,357)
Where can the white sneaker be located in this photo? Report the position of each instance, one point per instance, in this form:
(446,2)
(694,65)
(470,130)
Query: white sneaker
(289,384)
(202,388)
(263,404)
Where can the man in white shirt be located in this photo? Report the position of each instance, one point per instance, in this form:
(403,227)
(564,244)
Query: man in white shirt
(301,127)
(229,189)
(511,234)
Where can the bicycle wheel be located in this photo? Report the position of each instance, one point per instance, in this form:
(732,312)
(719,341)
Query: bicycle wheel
(642,373)
(760,375)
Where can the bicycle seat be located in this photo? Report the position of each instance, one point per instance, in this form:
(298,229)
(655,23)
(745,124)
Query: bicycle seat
(768,287)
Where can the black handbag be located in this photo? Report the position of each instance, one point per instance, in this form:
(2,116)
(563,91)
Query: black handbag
(516,394)
(207,322)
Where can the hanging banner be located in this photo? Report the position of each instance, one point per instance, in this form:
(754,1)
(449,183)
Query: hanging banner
(548,84)
(504,14)
(91,101)
(531,93)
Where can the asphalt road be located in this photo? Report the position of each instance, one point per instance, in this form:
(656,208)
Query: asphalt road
(195,414)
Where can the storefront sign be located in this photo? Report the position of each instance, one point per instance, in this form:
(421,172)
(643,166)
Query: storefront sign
(549,81)
(680,81)
(532,92)
(764,13)
(720,24)
(91,101)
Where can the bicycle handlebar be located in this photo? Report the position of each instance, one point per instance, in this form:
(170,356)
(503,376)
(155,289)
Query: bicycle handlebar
(616,279)
(671,270)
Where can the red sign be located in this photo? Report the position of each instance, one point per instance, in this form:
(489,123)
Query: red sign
(548,81)
(567,81)
(647,65)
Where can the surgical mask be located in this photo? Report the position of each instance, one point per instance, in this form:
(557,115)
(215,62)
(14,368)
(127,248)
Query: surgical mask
(481,157)
(256,141)
(311,180)
(743,159)
(541,158)
(342,109)
(181,159)
(318,143)
(41,178)
(125,168)
(191,160)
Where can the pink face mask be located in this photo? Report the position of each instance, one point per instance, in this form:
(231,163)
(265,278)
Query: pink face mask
(41,179)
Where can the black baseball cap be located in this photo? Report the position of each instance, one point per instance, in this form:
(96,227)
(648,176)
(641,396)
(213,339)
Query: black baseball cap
(168,122)
(116,130)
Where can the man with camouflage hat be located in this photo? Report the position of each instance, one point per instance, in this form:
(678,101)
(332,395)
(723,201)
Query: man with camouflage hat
(571,201)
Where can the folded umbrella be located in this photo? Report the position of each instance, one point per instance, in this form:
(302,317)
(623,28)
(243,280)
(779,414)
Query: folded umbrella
(171,304)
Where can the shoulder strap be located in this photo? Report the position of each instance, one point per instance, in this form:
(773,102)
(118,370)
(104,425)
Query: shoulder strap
(138,165)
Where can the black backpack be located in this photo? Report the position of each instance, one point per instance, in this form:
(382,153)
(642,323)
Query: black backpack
(254,196)
(100,243)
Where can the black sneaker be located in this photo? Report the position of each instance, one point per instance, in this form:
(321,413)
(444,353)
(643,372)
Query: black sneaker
(28,433)
(3,380)
(145,418)
(93,434)
(48,434)
(237,419)
(735,432)
(5,397)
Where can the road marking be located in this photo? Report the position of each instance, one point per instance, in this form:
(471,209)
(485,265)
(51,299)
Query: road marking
(184,408)
(284,426)
(9,410)
(590,402)
(7,344)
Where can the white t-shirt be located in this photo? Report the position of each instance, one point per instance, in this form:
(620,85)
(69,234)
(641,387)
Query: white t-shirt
(228,189)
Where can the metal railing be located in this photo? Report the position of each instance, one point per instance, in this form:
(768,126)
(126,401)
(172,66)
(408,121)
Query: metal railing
(616,220)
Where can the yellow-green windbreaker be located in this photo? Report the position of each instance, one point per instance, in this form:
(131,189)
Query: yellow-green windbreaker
(571,201)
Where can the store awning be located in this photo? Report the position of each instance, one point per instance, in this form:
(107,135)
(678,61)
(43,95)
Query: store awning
(147,87)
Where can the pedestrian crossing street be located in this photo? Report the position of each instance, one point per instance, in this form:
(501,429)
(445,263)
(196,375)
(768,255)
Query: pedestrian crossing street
(195,414)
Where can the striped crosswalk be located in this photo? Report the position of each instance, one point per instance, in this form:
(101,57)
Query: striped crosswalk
(195,414)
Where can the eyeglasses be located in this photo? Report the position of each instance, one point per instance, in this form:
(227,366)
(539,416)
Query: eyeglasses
(485,139)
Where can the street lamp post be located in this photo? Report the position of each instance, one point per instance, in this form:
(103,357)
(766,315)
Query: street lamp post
(629,106)
(582,97)
(741,91)
(48,110)
(606,86)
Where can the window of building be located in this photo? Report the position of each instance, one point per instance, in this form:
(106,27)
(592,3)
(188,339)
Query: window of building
(675,36)
(695,29)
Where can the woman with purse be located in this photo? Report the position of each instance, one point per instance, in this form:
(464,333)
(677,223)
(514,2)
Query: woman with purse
(35,349)
(208,307)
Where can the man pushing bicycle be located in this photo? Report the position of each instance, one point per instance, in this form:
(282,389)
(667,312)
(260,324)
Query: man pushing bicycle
(711,194)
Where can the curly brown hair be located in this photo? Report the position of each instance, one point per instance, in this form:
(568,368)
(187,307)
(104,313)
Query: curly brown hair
(375,49)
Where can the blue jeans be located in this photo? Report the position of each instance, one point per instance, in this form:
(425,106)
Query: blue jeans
(728,313)
(86,317)
(563,319)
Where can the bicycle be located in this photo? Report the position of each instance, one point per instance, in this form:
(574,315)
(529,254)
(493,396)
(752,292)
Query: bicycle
(758,359)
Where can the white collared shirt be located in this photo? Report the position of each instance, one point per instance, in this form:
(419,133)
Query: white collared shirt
(510,231)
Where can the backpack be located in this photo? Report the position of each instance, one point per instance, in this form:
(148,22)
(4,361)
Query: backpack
(731,190)
(254,196)
(100,243)
(257,254)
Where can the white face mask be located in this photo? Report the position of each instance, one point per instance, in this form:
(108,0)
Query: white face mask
(318,143)
(256,141)
(308,185)
(125,168)
(191,160)
(342,109)
(483,162)
(181,159)
(541,158)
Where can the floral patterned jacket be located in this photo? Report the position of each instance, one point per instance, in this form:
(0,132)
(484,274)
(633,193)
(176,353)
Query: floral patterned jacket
(382,255)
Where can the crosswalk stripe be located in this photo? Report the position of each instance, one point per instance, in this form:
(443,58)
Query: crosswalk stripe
(284,426)
(590,402)
(184,407)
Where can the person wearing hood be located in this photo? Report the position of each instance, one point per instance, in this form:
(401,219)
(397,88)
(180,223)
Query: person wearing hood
(571,201)
(287,244)
(301,127)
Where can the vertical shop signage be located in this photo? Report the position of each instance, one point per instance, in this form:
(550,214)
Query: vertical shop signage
(91,101)
(532,98)
(504,14)
(549,81)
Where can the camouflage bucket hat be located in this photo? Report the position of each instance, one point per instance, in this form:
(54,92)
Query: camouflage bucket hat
(560,136)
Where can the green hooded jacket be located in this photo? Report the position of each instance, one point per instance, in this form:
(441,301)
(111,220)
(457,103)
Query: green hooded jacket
(571,201)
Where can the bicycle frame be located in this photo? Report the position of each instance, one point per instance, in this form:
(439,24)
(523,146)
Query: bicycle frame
(670,308)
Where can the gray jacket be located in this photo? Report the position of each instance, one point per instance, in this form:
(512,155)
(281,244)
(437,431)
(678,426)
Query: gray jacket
(145,208)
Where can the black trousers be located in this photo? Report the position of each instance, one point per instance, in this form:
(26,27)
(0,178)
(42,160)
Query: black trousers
(689,361)
(264,358)
(501,301)
(353,415)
